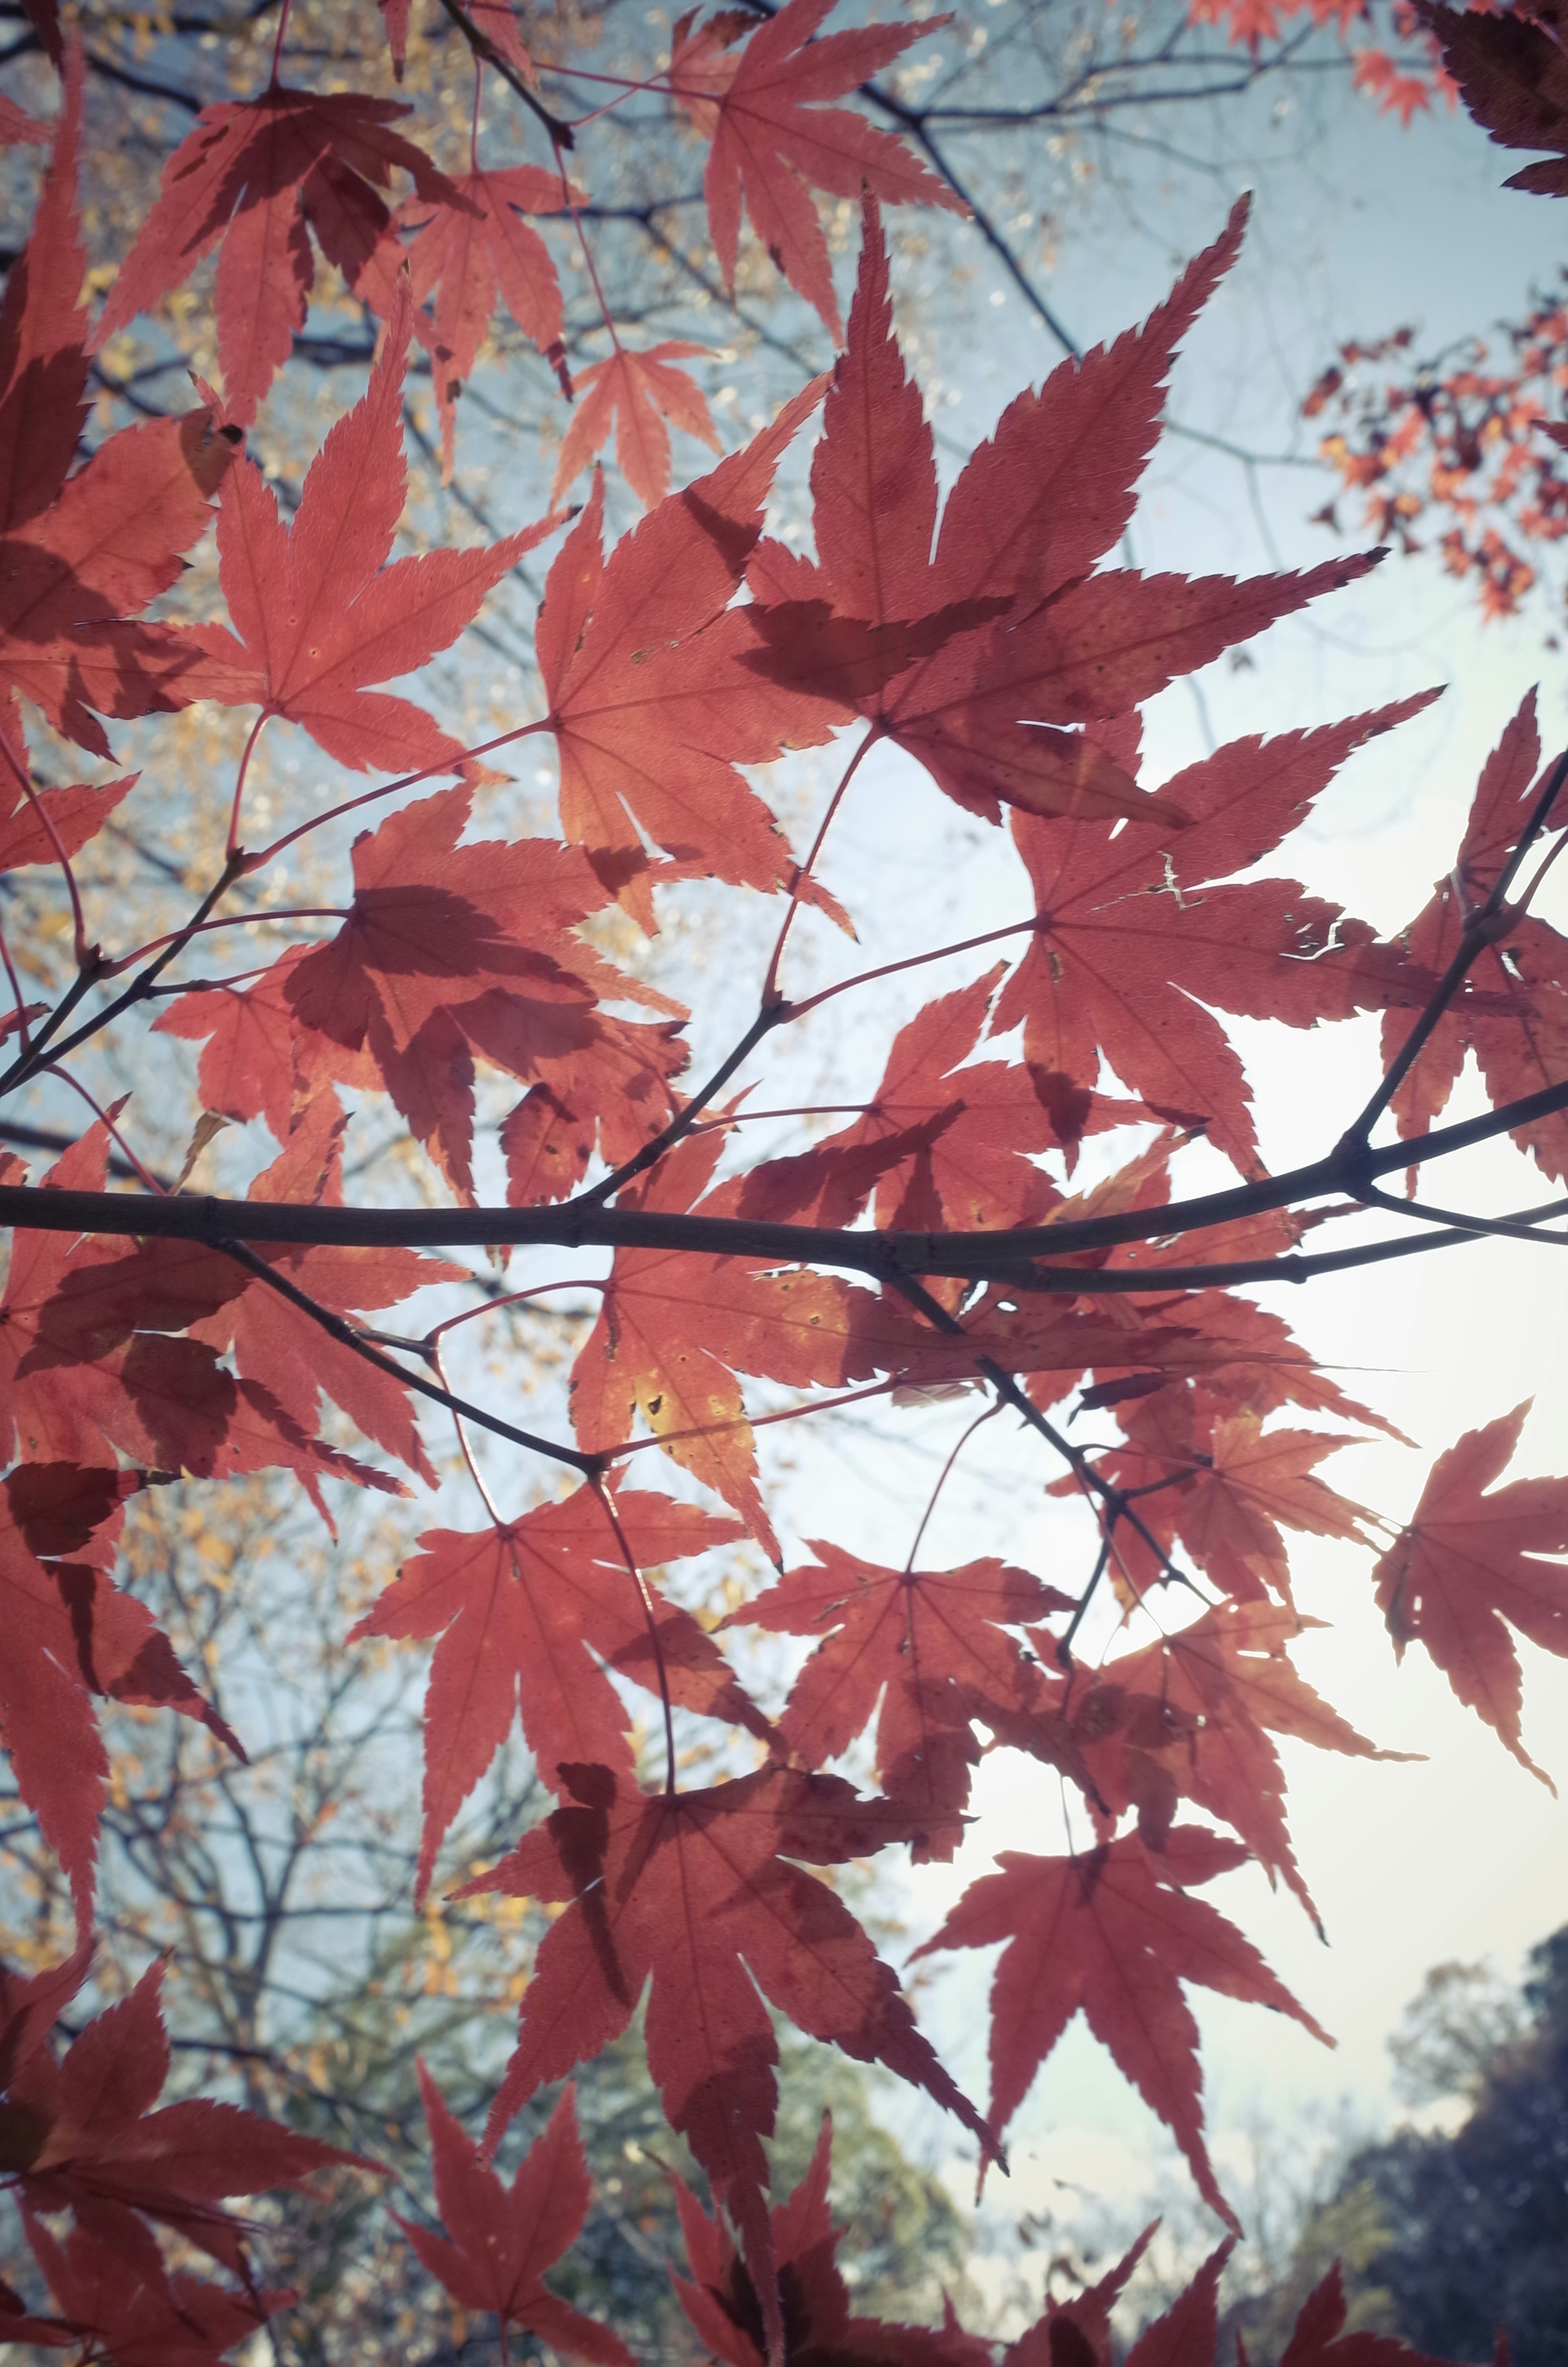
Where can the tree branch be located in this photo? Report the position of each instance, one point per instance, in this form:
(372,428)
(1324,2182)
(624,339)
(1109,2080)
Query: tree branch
(1009,1256)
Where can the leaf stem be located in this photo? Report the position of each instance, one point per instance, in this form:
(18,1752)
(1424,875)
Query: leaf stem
(390,788)
(990,1415)
(909,961)
(569,199)
(182,937)
(512,1298)
(83,953)
(154,1184)
(771,995)
(806,1109)
(234,847)
(432,1356)
(596,1482)
(772,1011)
(667,1438)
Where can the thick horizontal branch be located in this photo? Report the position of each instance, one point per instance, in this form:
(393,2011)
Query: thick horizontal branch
(1017,1252)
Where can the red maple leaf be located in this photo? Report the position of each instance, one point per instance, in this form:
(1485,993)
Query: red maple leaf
(500,2239)
(18,2323)
(1138,931)
(31,2003)
(1318,2339)
(162,1403)
(651,701)
(123,2298)
(674,1331)
(1512,1009)
(248,1033)
(1110,1932)
(612,1089)
(462,254)
(1249,1358)
(1190,1718)
(774,142)
(1513,77)
(1187,2334)
(1505,796)
(71,1635)
(77,814)
(929,1645)
(944,1141)
(1404,94)
(720,2299)
(43,363)
(284,1363)
(1473,1562)
(634,394)
(1076,2332)
(525,1614)
(698,1892)
(318,613)
(274,1346)
(1221,1486)
(986,713)
(83,552)
(459,947)
(496,22)
(85,1359)
(260,174)
(82,2134)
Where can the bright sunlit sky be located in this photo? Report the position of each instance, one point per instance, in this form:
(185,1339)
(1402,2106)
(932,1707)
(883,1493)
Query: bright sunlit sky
(1467,1855)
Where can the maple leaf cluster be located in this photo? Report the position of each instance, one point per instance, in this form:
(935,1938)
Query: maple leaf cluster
(1463,460)
(1475,448)
(268,181)
(931,1246)
(1401,70)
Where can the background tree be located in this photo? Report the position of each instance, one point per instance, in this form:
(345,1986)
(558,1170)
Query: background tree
(1445,2235)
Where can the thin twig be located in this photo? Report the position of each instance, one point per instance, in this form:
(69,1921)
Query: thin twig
(344,1333)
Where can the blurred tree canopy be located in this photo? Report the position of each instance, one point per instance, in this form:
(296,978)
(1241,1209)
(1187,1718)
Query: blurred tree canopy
(1447,2234)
